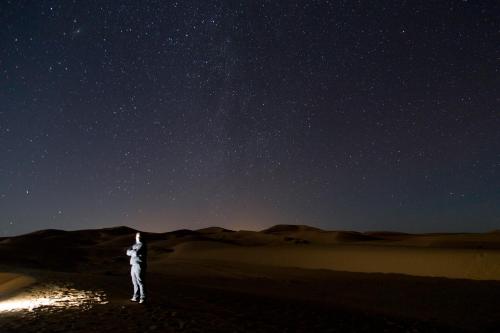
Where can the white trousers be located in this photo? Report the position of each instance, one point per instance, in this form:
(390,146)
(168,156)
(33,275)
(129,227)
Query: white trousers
(138,275)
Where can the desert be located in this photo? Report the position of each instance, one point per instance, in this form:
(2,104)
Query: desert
(287,278)
(249,166)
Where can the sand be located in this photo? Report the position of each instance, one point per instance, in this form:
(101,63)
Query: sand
(10,283)
(285,279)
(477,264)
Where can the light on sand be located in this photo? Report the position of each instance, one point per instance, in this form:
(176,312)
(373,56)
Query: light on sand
(53,296)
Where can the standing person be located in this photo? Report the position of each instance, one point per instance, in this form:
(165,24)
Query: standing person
(138,260)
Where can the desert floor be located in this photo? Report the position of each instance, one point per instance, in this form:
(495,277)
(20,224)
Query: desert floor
(190,291)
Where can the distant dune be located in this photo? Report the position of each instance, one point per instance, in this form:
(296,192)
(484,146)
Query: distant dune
(289,228)
(291,276)
(457,255)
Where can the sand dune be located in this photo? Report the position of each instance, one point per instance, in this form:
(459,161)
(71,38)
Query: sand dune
(464,256)
(459,255)
(289,268)
(451,263)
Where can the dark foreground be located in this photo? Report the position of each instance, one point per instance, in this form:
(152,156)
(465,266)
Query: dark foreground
(219,297)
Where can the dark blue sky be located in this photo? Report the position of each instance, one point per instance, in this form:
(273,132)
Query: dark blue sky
(163,115)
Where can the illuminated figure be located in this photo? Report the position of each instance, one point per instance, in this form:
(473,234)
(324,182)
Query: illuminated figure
(138,261)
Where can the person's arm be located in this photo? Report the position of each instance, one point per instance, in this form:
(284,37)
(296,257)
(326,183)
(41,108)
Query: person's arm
(131,251)
(139,249)
(140,252)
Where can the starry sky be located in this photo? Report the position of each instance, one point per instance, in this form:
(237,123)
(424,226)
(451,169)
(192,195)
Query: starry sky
(161,115)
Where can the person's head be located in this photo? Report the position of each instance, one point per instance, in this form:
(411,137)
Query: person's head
(138,237)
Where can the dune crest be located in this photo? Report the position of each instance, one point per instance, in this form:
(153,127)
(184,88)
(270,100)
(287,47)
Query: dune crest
(453,255)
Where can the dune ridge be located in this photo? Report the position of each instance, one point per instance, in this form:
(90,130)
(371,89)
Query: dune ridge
(453,255)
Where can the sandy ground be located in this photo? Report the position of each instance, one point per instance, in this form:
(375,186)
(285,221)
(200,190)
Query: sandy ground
(10,283)
(478,264)
(205,296)
(276,281)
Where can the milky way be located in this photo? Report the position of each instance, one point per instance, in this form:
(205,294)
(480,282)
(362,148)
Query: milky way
(163,115)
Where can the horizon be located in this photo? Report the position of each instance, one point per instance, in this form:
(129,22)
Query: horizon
(133,229)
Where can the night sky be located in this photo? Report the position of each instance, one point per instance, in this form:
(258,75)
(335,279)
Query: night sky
(160,115)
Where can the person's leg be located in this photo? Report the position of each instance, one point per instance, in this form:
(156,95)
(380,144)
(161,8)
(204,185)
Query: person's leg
(133,273)
(141,282)
(144,283)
